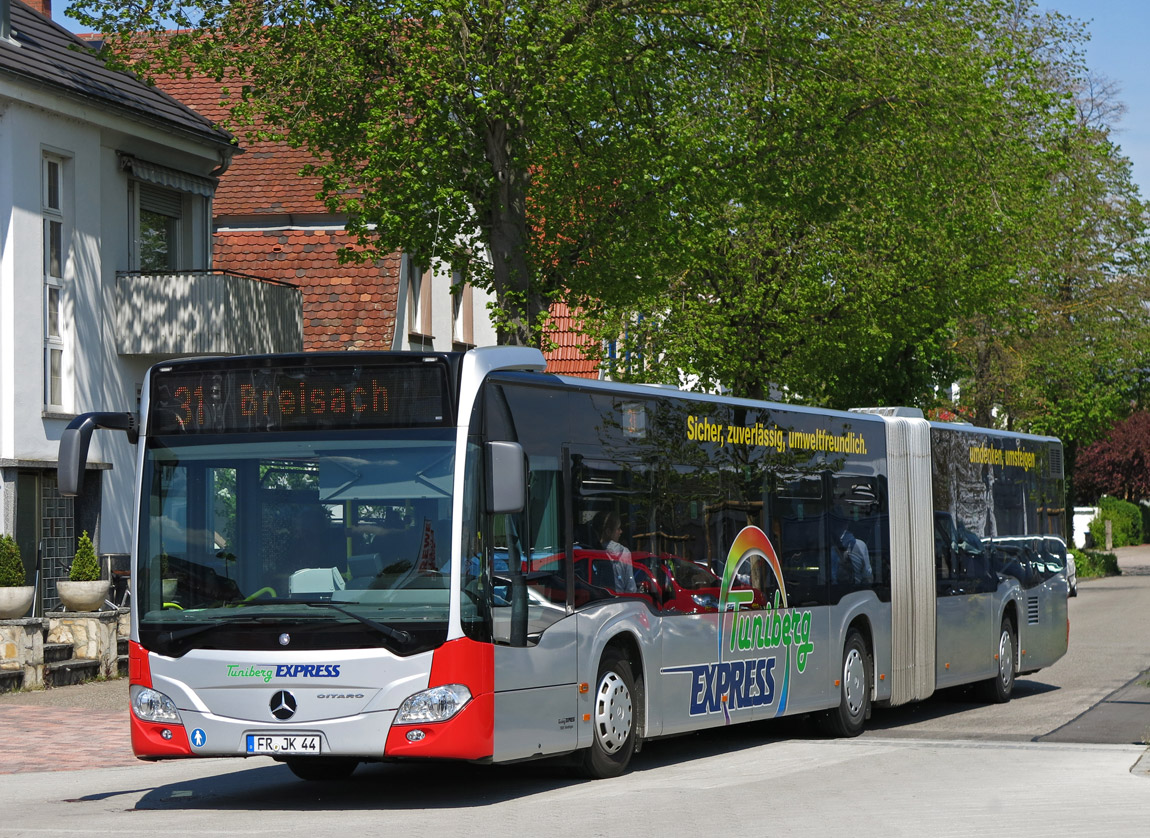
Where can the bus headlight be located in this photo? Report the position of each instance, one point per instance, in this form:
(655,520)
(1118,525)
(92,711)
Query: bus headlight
(437,704)
(152,706)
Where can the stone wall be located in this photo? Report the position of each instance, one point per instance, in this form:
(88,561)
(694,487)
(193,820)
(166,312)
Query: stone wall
(22,649)
(93,636)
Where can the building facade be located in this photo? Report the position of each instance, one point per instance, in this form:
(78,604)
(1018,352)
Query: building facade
(106,191)
(268,221)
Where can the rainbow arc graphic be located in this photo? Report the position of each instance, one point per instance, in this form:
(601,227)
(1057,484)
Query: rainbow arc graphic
(750,544)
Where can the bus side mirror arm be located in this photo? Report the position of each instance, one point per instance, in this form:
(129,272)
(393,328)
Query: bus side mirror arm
(506,478)
(507,495)
(76,438)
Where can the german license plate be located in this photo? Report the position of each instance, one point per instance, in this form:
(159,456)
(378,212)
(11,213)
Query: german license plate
(282,743)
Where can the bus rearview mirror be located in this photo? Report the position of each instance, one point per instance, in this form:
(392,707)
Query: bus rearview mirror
(506,478)
(74,442)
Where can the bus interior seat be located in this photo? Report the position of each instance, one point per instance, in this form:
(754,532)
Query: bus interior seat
(365,566)
(316,580)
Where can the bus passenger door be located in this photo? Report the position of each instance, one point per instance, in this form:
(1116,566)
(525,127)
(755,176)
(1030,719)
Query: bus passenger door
(966,596)
(535,693)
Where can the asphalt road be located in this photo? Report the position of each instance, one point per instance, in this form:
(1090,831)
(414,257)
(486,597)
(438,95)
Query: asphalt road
(1099,692)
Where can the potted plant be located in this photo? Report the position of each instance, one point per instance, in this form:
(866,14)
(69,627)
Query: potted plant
(83,590)
(15,596)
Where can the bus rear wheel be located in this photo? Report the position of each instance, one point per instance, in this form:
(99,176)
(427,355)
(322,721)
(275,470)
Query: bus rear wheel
(613,717)
(997,690)
(323,769)
(849,718)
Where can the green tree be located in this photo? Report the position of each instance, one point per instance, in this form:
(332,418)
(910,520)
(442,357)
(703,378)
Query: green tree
(85,565)
(893,165)
(12,573)
(526,143)
(1067,360)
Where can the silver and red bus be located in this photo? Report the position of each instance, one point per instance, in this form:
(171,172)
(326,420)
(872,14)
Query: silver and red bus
(358,557)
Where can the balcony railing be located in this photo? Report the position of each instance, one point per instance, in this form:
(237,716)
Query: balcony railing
(206,313)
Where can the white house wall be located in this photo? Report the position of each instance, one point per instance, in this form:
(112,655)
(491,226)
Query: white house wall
(96,214)
(442,324)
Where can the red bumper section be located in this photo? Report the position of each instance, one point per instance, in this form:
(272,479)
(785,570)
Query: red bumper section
(468,735)
(152,740)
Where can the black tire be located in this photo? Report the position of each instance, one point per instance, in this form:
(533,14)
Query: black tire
(849,718)
(613,717)
(997,690)
(323,769)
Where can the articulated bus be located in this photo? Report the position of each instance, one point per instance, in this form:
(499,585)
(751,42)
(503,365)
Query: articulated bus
(361,557)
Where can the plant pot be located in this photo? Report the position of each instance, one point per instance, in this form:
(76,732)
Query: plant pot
(82,596)
(15,602)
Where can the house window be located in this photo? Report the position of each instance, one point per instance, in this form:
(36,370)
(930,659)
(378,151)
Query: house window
(55,260)
(462,315)
(419,303)
(159,226)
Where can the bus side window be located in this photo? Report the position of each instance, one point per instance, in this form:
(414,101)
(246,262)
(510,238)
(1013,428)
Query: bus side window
(858,522)
(798,531)
(606,499)
(544,556)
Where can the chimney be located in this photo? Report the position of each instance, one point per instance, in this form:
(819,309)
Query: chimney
(44,7)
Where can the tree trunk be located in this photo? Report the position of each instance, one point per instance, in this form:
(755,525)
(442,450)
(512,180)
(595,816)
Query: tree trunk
(519,303)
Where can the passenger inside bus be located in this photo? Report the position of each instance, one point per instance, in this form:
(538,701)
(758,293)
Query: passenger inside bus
(851,564)
(610,530)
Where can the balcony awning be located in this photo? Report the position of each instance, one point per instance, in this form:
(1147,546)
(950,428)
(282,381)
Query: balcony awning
(163,176)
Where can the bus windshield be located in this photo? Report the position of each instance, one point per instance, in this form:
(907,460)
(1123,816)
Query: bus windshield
(332,540)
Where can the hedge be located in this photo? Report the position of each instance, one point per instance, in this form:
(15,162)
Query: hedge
(1126,518)
(1090,563)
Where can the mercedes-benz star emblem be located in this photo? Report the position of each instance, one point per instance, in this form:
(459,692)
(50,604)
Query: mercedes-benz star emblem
(285,639)
(283,705)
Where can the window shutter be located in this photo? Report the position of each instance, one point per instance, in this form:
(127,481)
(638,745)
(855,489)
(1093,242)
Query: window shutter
(163,201)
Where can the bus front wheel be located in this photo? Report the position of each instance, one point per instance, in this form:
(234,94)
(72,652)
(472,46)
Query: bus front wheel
(849,718)
(613,716)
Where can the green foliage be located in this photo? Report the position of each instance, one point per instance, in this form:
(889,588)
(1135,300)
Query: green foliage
(1093,563)
(849,202)
(11,567)
(1126,519)
(894,234)
(85,565)
(543,148)
(1065,360)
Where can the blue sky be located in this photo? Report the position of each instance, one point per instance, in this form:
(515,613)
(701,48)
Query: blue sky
(1119,49)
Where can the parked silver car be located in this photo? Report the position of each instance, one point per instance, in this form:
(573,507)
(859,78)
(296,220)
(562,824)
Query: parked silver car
(1056,547)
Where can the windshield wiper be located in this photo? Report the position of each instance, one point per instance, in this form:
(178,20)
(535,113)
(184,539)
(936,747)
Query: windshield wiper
(177,635)
(397,635)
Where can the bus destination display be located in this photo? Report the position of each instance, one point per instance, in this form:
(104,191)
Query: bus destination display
(224,400)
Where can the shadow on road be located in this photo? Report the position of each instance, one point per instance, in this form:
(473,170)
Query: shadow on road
(407,786)
(448,785)
(947,702)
